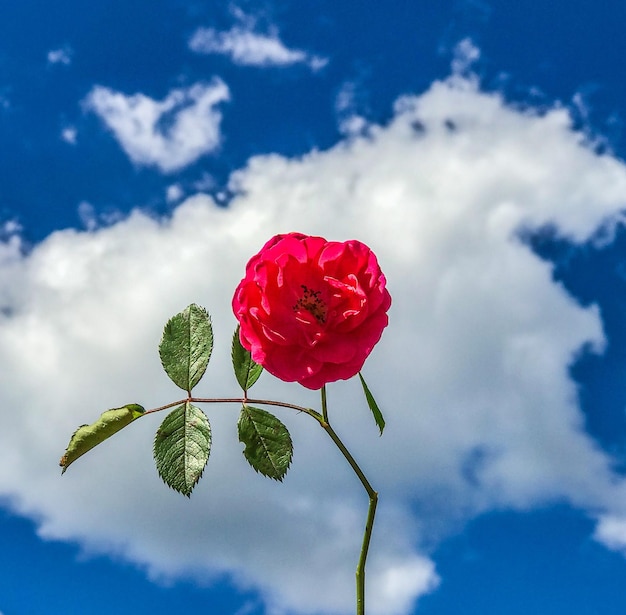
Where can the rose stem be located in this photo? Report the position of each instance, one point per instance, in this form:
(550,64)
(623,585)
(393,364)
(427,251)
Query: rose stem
(371,512)
(322,419)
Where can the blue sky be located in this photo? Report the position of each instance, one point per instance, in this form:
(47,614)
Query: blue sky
(149,148)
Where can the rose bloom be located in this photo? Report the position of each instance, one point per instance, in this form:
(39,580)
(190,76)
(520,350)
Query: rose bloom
(311,310)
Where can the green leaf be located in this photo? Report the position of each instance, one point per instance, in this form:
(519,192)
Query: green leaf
(268,446)
(88,436)
(371,402)
(181,447)
(185,348)
(247,371)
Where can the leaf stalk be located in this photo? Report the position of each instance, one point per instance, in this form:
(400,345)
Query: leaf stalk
(324,422)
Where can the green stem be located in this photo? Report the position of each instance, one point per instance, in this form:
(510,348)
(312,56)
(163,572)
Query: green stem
(240,400)
(322,419)
(371,512)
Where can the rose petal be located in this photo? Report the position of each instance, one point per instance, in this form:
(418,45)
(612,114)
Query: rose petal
(311,310)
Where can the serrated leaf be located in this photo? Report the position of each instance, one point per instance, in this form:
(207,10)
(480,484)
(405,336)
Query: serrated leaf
(186,346)
(247,371)
(371,402)
(181,447)
(268,446)
(88,436)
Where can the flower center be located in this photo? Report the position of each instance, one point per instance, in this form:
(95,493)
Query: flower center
(312,302)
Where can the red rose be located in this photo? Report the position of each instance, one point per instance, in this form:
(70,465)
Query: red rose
(311,310)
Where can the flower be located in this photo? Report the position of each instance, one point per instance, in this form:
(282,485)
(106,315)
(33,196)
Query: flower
(311,310)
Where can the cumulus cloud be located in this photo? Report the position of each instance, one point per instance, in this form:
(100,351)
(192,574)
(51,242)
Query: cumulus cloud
(465,55)
(348,109)
(69,134)
(472,373)
(246,47)
(10,228)
(174,192)
(170,133)
(611,532)
(60,56)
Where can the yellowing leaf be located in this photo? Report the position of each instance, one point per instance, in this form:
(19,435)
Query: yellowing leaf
(88,436)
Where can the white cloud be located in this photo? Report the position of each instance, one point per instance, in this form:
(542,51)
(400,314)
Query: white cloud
(472,372)
(611,532)
(174,192)
(349,107)
(87,215)
(69,135)
(246,47)
(206,183)
(465,55)
(169,134)
(60,56)
(10,228)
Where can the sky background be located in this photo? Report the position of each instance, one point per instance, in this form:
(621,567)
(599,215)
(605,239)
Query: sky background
(148,149)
